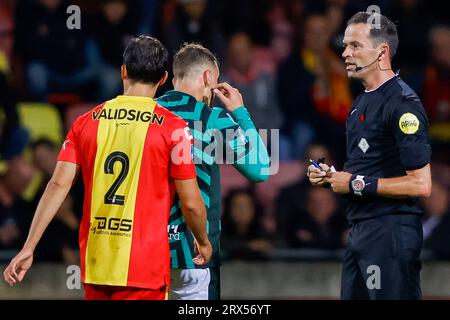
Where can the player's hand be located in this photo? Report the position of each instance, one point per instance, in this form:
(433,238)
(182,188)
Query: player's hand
(318,177)
(203,251)
(340,181)
(18,267)
(230,97)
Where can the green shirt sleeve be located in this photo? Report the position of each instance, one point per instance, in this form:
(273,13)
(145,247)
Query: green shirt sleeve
(249,154)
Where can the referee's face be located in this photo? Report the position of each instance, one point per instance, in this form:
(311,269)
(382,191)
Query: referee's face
(359,53)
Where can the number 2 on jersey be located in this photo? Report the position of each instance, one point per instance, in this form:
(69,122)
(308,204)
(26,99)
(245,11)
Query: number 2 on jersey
(110,196)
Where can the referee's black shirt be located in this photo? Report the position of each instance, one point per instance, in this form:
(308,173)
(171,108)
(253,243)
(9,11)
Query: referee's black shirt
(386,135)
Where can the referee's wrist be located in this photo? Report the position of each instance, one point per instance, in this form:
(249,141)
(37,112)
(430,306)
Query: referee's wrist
(363,185)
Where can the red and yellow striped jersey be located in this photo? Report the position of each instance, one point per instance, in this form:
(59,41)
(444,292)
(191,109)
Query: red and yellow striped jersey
(130,149)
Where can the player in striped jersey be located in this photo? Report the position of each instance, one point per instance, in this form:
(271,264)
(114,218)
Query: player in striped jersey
(196,74)
(134,154)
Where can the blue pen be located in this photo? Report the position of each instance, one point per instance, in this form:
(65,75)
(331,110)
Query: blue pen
(315,164)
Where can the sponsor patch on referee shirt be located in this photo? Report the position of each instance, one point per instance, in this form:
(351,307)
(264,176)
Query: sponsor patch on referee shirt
(408,123)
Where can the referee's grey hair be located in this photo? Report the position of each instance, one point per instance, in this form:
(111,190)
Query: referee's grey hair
(192,56)
(386,31)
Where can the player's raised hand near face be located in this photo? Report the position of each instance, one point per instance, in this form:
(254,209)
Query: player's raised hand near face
(318,177)
(230,97)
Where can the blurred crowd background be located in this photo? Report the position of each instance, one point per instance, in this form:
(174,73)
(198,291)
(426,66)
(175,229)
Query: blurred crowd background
(284,57)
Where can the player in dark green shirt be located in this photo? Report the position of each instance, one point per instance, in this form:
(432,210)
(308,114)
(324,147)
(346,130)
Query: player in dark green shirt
(219,134)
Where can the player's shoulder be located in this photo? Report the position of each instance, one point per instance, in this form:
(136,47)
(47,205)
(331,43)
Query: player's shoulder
(164,99)
(88,116)
(218,117)
(176,99)
(170,118)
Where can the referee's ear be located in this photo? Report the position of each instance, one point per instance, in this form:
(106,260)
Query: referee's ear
(123,72)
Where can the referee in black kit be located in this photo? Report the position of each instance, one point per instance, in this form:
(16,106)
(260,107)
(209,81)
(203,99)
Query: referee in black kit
(387,169)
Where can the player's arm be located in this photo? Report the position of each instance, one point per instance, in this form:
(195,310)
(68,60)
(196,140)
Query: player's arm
(65,173)
(251,158)
(56,191)
(182,171)
(194,212)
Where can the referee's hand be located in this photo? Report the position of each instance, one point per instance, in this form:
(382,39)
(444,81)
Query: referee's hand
(340,182)
(318,177)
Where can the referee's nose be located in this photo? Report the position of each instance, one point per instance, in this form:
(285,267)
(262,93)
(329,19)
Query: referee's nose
(346,53)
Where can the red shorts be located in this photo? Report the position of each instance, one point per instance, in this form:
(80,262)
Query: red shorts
(101,292)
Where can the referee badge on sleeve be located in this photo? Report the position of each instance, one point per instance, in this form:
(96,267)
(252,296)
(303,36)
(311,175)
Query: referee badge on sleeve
(408,123)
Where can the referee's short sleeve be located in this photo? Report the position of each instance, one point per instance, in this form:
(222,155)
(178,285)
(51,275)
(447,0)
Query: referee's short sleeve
(409,124)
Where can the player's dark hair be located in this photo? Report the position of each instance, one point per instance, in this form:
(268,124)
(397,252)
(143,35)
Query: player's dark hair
(146,59)
(381,29)
(191,55)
